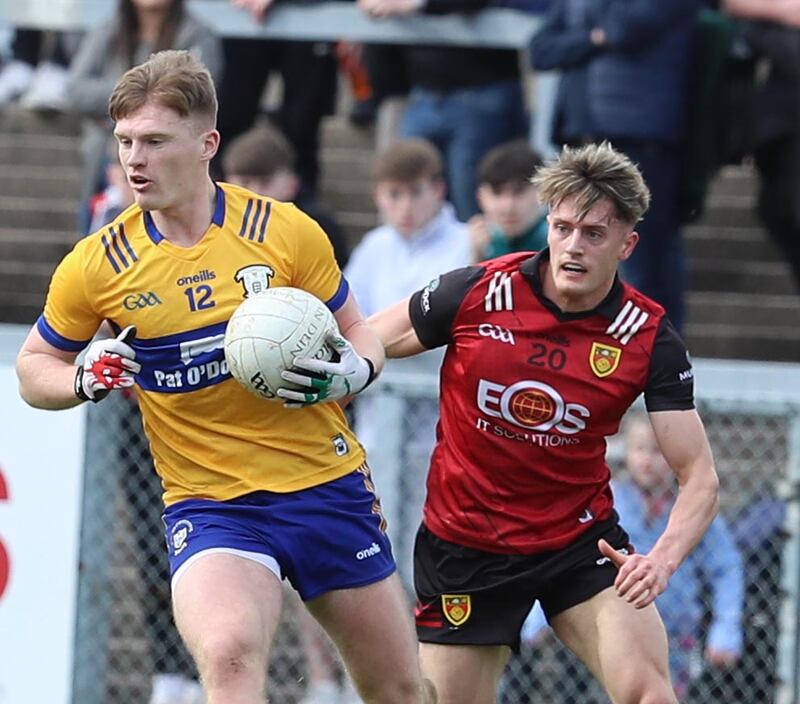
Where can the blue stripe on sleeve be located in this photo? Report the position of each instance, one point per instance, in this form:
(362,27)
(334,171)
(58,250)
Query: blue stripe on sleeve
(51,336)
(337,300)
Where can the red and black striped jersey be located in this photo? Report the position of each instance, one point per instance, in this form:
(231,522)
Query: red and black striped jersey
(528,396)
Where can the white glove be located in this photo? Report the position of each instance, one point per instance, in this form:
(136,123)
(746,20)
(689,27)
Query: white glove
(327,381)
(108,365)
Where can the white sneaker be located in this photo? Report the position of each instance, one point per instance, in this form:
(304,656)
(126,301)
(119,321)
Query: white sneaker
(48,89)
(176,689)
(321,693)
(193,693)
(15,77)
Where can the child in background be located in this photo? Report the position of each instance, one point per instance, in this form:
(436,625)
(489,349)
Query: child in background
(263,160)
(512,219)
(420,238)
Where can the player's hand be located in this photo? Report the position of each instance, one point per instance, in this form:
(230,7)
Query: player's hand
(640,579)
(327,381)
(108,365)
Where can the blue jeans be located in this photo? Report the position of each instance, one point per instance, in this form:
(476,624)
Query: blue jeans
(464,124)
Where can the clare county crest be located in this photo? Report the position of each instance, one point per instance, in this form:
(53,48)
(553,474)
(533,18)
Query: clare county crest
(604,359)
(254,278)
(457,608)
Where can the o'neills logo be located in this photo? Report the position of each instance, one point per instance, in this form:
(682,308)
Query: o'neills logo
(205,275)
(531,405)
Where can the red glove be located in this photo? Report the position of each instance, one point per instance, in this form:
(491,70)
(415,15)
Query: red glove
(108,365)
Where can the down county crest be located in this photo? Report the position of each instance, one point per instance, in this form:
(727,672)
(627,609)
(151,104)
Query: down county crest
(457,608)
(604,359)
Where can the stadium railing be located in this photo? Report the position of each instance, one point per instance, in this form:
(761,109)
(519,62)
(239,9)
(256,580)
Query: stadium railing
(304,20)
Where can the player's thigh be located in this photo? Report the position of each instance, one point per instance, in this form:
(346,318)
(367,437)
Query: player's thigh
(226,605)
(373,630)
(624,647)
(464,674)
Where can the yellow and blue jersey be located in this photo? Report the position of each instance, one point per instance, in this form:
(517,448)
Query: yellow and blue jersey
(209,437)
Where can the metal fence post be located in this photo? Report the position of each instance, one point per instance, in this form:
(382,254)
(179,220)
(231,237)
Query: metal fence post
(95,597)
(788,667)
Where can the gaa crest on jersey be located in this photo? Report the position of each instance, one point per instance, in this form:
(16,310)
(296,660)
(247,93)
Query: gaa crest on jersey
(604,359)
(254,278)
(457,608)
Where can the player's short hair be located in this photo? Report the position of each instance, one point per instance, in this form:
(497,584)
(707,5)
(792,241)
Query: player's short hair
(261,152)
(173,79)
(510,162)
(590,173)
(408,160)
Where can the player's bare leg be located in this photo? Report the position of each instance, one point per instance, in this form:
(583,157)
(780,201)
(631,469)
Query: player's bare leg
(464,674)
(373,630)
(624,647)
(227,609)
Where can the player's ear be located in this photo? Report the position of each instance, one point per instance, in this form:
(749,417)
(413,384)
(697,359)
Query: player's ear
(628,245)
(210,145)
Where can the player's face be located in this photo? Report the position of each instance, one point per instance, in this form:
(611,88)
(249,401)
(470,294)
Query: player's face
(513,207)
(584,253)
(644,460)
(409,206)
(165,156)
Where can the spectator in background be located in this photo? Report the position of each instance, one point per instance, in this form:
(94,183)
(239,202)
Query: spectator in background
(644,498)
(463,99)
(512,219)
(117,195)
(420,239)
(138,29)
(263,160)
(36,75)
(624,78)
(776,38)
(308,71)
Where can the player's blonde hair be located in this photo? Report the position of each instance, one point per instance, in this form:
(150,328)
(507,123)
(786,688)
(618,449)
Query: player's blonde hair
(590,173)
(173,79)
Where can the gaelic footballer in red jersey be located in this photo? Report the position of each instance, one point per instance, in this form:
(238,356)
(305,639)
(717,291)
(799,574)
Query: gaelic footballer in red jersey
(545,353)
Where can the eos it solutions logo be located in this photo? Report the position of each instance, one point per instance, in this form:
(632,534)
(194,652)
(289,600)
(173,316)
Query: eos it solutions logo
(531,405)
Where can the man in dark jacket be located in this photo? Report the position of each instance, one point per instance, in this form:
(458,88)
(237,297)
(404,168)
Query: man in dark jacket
(465,100)
(625,70)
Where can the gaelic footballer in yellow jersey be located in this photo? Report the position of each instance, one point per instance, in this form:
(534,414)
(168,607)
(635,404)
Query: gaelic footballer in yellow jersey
(208,436)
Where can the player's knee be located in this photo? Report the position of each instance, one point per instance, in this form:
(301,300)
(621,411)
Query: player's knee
(226,656)
(656,690)
(401,690)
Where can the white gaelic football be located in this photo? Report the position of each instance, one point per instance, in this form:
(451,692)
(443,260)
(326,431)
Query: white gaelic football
(267,331)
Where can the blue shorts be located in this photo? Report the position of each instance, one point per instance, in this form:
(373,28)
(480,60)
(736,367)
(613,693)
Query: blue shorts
(327,537)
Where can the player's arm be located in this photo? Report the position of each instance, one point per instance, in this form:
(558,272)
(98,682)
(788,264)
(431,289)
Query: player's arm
(49,378)
(424,320)
(394,329)
(46,374)
(669,397)
(355,329)
(683,442)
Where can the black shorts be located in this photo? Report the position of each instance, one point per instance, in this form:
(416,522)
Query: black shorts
(470,597)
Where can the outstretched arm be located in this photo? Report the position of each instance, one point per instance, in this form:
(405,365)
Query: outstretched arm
(683,442)
(393,327)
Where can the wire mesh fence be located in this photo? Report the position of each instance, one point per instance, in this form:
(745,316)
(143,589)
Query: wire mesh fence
(125,636)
